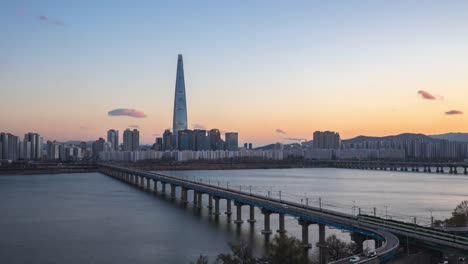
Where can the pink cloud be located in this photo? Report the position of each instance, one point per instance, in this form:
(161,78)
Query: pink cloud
(454,112)
(127,112)
(426,95)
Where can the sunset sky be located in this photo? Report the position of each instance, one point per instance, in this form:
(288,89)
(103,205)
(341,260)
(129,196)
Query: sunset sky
(270,70)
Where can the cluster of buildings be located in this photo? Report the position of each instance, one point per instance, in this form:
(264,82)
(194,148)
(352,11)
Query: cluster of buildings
(13,148)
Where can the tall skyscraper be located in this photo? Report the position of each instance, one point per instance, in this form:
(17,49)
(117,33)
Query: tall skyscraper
(215,139)
(180,104)
(113,138)
(185,139)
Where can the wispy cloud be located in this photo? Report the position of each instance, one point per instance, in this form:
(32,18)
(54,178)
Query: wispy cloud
(198,126)
(454,112)
(428,96)
(134,126)
(127,112)
(47,20)
(84,127)
(280,131)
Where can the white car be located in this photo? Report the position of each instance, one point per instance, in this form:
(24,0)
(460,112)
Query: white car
(354,259)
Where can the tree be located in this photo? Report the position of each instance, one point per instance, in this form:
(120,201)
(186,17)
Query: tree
(201,260)
(240,254)
(286,250)
(338,249)
(460,215)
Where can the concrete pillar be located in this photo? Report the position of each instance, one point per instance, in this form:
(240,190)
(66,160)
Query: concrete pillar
(358,240)
(163,187)
(210,201)
(184,194)
(238,213)
(466,171)
(148,183)
(199,202)
(155,188)
(305,233)
(195,197)
(323,252)
(451,170)
(266,214)
(252,215)
(173,191)
(281,229)
(228,207)
(455,170)
(216,212)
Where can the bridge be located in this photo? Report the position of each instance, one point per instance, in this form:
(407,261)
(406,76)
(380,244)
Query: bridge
(451,168)
(386,233)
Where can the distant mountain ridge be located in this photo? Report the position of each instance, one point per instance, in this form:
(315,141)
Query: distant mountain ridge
(400,137)
(461,137)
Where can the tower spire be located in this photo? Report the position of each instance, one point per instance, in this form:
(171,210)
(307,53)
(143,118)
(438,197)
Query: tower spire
(180,104)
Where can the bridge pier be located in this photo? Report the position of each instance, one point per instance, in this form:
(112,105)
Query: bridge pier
(252,214)
(148,183)
(238,213)
(358,240)
(451,170)
(210,201)
(455,170)
(142,182)
(323,252)
(228,208)
(305,233)
(163,188)
(466,171)
(266,230)
(173,191)
(155,188)
(195,197)
(281,229)
(216,212)
(199,200)
(184,194)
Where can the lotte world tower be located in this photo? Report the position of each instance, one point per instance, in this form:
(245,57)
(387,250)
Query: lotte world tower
(180,104)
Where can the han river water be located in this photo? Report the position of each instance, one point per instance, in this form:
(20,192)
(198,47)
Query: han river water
(92,218)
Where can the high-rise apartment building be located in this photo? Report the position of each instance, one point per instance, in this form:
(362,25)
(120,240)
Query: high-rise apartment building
(326,140)
(113,139)
(201,140)
(168,140)
(232,141)
(215,139)
(185,139)
(180,104)
(98,146)
(131,140)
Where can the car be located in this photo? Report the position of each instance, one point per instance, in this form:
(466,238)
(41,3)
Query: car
(371,254)
(285,206)
(354,259)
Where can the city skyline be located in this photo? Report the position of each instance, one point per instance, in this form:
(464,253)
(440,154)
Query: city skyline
(283,74)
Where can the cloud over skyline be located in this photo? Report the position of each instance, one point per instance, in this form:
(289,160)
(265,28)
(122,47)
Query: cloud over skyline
(454,112)
(426,95)
(280,131)
(198,126)
(127,112)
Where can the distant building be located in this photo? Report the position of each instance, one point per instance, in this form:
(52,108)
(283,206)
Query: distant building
(250,145)
(158,144)
(326,140)
(98,146)
(201,140)
(185,140)
(168,140)
(53,150)
(113,139)
(10,146)
(232,142)
(131,140)
(215,139)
